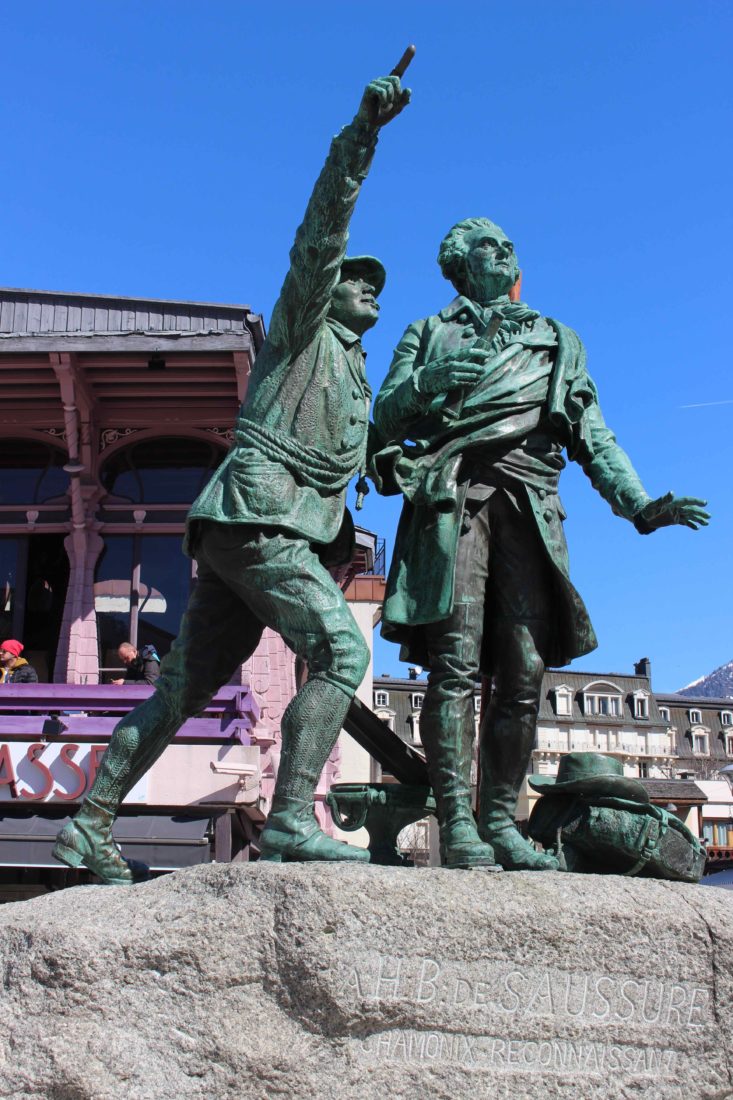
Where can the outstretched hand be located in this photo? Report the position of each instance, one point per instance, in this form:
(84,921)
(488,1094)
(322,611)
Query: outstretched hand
(382,101)
(670,510)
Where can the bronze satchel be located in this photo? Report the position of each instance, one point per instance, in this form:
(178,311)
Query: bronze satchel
(617,836)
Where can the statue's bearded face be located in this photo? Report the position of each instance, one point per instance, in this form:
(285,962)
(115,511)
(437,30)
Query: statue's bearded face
(491,265)
(354,304)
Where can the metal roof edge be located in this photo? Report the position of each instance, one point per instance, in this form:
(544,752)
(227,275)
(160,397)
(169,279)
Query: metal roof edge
(725,701)
(597,675)
(243,307)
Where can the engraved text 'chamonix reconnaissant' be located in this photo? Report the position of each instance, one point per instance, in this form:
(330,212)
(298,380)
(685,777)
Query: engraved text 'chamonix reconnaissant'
(520,1055)
(490,993)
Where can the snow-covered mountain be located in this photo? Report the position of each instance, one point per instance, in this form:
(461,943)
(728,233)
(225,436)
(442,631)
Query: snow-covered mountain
(716,685)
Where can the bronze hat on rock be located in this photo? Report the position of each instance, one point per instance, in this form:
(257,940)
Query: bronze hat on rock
(590,773)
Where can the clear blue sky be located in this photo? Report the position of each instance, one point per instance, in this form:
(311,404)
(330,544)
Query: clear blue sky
(169,148)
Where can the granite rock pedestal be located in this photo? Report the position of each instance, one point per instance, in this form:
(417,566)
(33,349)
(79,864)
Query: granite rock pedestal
(297,981)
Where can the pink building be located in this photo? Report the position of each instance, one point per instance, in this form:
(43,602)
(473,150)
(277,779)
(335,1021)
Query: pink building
(114,412)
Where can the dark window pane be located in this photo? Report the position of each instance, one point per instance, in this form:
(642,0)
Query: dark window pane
(37,474)
(9,550)
(112,584)
(47,579)
(115,561)
(34,575)
(165,583)
(54,482)
(164,471)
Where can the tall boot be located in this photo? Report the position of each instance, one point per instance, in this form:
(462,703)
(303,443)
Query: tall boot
(507,739)
(88,840)
(446,731)
(310,726)
(137,741)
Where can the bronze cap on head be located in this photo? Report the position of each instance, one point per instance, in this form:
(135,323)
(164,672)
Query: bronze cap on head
(369,267)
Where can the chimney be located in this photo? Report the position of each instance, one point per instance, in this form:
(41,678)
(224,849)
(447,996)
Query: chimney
(414,671)
(644,668)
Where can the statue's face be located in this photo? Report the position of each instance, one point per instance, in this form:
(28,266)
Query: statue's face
(354,304)
(491,264)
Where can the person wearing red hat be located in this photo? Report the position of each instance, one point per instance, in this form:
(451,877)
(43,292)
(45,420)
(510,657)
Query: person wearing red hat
(14,669)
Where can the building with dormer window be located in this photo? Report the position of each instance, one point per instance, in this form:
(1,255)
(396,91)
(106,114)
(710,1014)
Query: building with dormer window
(618,714)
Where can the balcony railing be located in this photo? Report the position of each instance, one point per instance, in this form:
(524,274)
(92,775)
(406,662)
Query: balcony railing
(377,568)
(81,711)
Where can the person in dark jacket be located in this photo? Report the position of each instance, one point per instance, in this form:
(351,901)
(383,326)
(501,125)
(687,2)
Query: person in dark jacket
(14,669)
(143,665)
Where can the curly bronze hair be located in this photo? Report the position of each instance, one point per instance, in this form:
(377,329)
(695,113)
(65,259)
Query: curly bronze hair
(453,248)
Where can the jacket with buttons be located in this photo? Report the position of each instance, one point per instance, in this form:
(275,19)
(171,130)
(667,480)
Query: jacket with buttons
(302,428)
(515,439)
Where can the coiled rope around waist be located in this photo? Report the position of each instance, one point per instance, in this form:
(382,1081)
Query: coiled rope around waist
(310,465)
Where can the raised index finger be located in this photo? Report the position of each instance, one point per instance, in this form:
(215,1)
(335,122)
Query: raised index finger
(401,67)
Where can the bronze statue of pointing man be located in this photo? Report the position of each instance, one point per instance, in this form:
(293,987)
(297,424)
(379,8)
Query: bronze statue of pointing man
(269,522)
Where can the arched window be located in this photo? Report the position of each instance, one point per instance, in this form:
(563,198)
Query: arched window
(31,472)
(164,470)
(602,697)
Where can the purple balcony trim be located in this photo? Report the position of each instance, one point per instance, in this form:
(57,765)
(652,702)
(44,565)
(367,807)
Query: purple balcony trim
(47,710)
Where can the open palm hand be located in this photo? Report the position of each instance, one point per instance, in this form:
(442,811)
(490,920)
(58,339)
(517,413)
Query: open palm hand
(669,510)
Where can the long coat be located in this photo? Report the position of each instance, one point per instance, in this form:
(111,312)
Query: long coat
(428,470)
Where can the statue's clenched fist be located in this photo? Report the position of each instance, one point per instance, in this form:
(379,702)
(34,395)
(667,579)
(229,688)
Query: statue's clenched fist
(382,101)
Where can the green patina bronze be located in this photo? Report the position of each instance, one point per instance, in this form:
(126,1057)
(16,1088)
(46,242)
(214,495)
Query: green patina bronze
(479,404)
(384,810)
(600,821)
(269,522)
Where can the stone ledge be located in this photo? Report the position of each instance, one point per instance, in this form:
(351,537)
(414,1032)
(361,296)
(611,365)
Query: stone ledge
(342,981)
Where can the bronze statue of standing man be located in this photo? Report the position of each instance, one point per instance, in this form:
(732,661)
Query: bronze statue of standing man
(266,523)
(479,404)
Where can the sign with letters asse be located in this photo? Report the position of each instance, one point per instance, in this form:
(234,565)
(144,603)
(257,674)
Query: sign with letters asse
(52,771)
